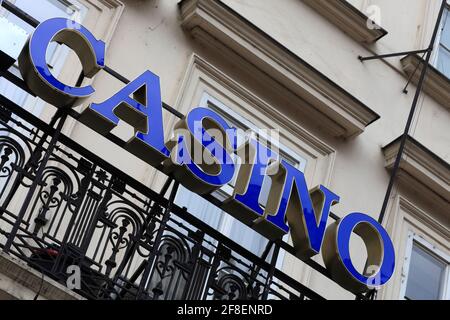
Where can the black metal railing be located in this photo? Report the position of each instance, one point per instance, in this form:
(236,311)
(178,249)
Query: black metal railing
(61,205)
(128,241)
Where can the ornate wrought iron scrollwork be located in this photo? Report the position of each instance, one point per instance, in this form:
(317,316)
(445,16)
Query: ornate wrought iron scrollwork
(232,284)
(230,287)
(129,241)
(56,187)
(126,224)
(168,278)
(13,157)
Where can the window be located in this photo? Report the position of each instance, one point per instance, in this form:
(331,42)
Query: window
(443,54)
(14,32)
(427,272)
(217,218)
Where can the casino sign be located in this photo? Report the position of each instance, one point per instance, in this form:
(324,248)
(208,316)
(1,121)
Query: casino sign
(291,206)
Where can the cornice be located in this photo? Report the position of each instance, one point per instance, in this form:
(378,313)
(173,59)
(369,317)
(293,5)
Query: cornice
(211,21)
(436,84)
(349,19)
(419,164)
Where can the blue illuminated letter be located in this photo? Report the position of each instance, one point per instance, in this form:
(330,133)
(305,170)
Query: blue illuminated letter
(336,253)
(201,151)
(244,204)
(33,64)
(143,112)
(306,213)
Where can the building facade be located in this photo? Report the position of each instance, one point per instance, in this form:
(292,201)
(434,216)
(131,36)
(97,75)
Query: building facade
(80,198)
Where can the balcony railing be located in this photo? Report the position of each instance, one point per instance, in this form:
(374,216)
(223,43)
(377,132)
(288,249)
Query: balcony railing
(63,206)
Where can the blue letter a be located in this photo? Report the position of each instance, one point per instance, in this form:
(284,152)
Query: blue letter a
(143,112)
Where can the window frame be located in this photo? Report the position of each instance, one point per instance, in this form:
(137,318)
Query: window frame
(102,18)
(225,224)
(208,101)
(439,44)
(60,52)
(58,58)
(202,75)
(415,239)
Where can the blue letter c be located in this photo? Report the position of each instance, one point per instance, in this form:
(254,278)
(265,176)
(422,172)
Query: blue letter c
(33,64)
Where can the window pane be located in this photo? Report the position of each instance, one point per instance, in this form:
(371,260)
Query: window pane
(218,219)
(14,32)
(198,206)
(43,9)
(445,37)
(426,276)
(443,64)
(12,38)
(40,10)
